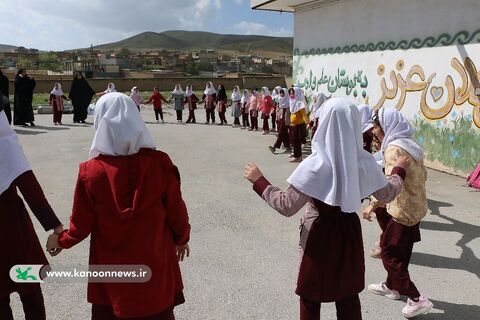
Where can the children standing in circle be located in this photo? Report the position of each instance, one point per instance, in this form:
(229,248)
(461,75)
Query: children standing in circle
(56,101)
(236,106)
(178,97)
(222,104)
(209,97)
(191,102)
(331,183)
(157,99)
(400,218)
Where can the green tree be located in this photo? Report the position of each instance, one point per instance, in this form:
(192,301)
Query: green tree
(191,69)
(124,53)
(49,61)
(204,66)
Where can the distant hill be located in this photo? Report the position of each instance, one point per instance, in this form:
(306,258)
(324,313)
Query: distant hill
(184,40)
(6,47)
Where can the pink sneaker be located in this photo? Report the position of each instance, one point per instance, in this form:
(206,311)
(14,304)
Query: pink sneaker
(413,309)
(382,290)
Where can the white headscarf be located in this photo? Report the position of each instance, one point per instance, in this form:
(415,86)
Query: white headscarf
(276,92)
(189,91)
(321,98)
(245,96)
(399,132)
(179,90)
(57,91)
(236,94)
(120,130)
(367,117)
(284,102)
(209,91)
(12,159)
(338,172)
(299,102)
(265,92)
(110,88)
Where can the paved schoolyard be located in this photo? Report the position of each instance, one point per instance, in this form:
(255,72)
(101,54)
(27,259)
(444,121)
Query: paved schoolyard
(244,255)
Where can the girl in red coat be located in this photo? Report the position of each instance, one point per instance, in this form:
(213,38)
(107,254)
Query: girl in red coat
(128,200)
(267,107)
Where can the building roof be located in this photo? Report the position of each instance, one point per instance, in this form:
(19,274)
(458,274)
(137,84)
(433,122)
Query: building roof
(290,5)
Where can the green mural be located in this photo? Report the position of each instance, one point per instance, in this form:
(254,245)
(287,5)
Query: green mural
(453,144)
(445,39)
(336,82)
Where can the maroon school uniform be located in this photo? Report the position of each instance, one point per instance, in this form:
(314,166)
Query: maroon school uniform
(137,221)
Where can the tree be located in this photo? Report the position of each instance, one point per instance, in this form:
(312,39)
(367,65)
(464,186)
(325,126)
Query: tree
(191,69)
(124,53)
(204,66)
(49,61)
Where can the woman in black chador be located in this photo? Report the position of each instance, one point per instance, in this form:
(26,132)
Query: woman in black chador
(23,110)
(81,95)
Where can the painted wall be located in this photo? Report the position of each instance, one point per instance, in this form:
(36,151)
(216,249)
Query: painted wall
(421,57)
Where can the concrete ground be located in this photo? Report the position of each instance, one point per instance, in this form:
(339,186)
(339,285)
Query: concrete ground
(244,254)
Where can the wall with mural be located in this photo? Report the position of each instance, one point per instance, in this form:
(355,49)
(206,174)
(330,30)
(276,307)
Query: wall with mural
(432,81)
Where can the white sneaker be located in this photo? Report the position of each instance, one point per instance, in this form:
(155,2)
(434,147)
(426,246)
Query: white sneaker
(413,309)
(158,121)
(382,290)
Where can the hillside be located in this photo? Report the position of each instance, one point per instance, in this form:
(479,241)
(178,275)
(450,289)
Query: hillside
(6,47)
(183,40)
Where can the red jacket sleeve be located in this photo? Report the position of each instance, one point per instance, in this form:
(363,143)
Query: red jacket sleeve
(176,210)
(82,220)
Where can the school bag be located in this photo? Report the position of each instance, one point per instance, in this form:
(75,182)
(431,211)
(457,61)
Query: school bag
(473,179)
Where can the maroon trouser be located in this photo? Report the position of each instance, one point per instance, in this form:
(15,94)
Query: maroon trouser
(191,116)
(282,135)
(347,309)
(397,243)
(221,115)
(297,134)
(100,312)
(33,306)
(265,123)
(210,113)
(57,115)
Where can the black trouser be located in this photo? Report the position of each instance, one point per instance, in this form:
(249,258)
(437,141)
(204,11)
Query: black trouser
(254,123)
(282,137)
(210,113)
(297,134)
(157,113)
(237,121)
(191,116)
(179,115)
(245,121)
(221,115)
(274,120)
(265,123)
(33,306)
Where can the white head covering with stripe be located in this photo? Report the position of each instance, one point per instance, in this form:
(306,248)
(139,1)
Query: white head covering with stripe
(367,117)
(119,128)
(338,172)
(299,102)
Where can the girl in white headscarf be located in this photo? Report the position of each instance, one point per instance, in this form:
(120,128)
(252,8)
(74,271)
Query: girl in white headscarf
(267,107)
(191,101)
(236,106)
(209,97)
(254,105)
(331,183)
(245,101)
(400,218)
(275,109)
(136,97)
(298,121)
(110,89)
(283,116)
(56,101)
(128,194)
(367,126)
(178,97)
(319,99)
(17,233)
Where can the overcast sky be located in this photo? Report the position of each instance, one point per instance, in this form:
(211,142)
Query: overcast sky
(69,24)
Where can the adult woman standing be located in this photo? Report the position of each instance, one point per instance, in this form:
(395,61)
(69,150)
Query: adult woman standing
(23,109)
(81,96)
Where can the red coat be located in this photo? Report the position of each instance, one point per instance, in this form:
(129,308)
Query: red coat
(133,208)
(267,105)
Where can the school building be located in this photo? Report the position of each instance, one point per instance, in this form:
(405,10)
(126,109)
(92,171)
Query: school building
(421,57)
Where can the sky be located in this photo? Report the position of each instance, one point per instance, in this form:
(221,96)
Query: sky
(70,24)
